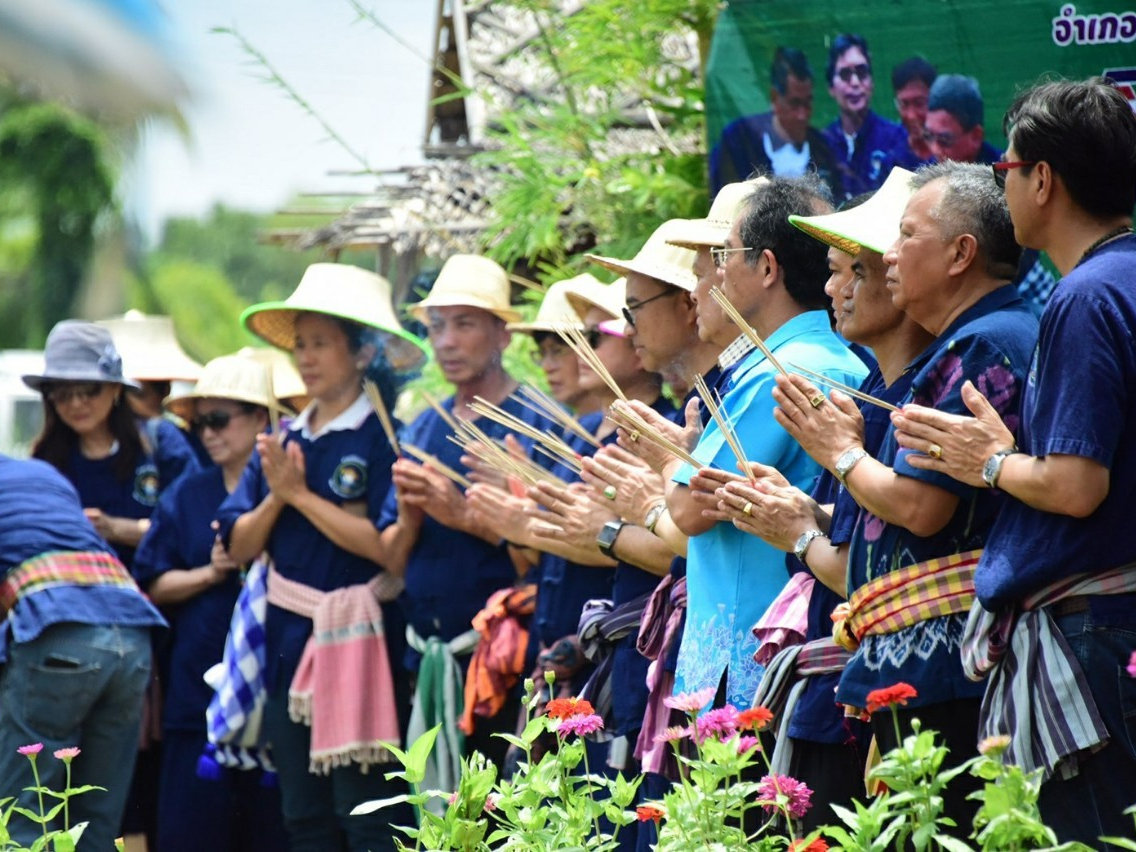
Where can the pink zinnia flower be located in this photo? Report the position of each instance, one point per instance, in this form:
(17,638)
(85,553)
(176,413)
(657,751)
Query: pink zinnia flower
(579,725)
(673,734)
(781,791)
(994,745)
(722,721)
(691,702)
(30,750)
(1132,665)
(66,754)
(748,744)
(491,802)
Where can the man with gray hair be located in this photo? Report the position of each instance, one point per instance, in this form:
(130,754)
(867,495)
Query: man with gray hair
(953,127)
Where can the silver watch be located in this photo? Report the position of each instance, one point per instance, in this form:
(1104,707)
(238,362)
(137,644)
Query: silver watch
(848,460)
(992,469)
(801,548)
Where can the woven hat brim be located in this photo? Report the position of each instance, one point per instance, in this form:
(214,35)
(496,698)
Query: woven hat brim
(666,273)
(829,238)
(418,311)
(185,405)
(695,234)
(275,324)
(535,327)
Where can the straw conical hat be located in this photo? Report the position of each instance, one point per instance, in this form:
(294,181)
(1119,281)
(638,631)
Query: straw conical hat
(149,348)
(286,382)
(657,259)
(556,307)
(473,281)
(873,225)
(609,298)
(713,230)
(236,377)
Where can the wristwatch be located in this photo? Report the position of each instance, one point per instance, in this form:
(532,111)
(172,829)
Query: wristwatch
(801,548)
(993,467)
(605,541)
(653,514)
(848,460)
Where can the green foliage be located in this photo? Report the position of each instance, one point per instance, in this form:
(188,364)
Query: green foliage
(203,306)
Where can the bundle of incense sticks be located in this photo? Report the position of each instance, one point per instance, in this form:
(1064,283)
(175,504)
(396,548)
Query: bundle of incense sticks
(628,419)
(500,459)
(735,315)
(714,404)
(437,464)
(575,338)
(446,416)
(274,420)
(380,407)
(541,403)
(832,383)
(488,410)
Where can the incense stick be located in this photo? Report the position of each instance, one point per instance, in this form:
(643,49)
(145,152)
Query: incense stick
(437,464)
(446,416)
(579,344)
(646,430)
(553,410)
(380,407)
(735,315)
(488,410)
(724,424)
(843,387)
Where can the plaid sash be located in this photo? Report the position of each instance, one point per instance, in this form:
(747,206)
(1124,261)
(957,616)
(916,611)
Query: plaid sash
(602,625)
(660,631)
(62,568)
(904,598)
(1037,691)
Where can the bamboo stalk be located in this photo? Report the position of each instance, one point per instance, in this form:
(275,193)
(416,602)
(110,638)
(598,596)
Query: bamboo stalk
(735,315)
(858,394)
(575,339)
(723,421)
(646,430)
(380,407)
(437,464)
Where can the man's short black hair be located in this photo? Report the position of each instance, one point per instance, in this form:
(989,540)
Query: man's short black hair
(765,225)
(913,68)
(959,96)
(1086,131)
(786,61)
(841,45)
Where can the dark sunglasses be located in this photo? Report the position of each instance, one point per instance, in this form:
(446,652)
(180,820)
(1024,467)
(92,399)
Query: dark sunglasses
(629,310)
(1000,170)
(846,74)
(215,420)
(62,394)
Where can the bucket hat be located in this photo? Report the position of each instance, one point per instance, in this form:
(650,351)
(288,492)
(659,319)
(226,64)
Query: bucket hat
(79,351)
(713,230)
(873,225)
(242,378)
(609,298)
(556,307)
(657,259)
(149,348)
(472,281)
(343,291)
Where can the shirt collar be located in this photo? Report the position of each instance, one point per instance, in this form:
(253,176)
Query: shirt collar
(996,300)
(809,322)
(350,418)
(732,354)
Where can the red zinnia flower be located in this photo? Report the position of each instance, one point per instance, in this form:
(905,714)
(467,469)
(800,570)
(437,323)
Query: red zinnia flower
(817,845)
(890,696)
(650,812)
(562,708)
(754,719)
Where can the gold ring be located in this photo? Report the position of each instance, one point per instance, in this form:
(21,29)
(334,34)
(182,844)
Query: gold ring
(747,509)
(816,401)
(609,492)
(935,451)
(634,436)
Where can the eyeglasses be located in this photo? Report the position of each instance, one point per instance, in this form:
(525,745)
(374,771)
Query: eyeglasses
(863,72)
(719,254)
(551,352)
(82,391)
(943,140)
(629,310)
(215,420)
(594,336)
(1000,170)
(911,103)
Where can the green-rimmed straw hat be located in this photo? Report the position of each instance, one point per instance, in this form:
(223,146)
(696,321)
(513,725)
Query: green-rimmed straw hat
(241,378)
(658,259)
(556,307)
(343,291)
(873,225)
(713,230)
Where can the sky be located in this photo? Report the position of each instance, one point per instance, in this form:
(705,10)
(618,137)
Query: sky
(249,145)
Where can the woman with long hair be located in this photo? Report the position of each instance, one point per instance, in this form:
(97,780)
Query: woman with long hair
(310,497)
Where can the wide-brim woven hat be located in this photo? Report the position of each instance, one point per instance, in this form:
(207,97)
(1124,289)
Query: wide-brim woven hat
(470,280)
(79,351)
(873,225)
(556,309)
(712,231)
(287,384)
(149,348)
(657,259)
(241,378)
(609,298)
(338,290)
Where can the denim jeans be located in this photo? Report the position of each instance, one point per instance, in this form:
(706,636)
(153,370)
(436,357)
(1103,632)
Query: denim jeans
(1092,803)
(75,685)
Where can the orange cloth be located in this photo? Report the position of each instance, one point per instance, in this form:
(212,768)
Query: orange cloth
(499,659)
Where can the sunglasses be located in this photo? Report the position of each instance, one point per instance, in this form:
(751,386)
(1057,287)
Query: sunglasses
(215,420)
(1000,170)
(629,310)
(862,72)
(62,394)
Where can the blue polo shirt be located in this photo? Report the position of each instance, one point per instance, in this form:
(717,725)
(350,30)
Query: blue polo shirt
(989,344)
(732,576)
(877,147)
(450,574)
(1080,400)
(181,538)
(348,463)
(40,512)
(135,496)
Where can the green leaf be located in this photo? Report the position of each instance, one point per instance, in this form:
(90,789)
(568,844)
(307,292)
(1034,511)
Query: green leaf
(377,805)
(417,755)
